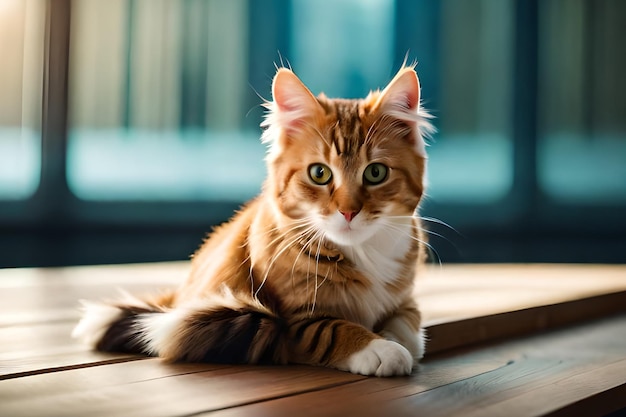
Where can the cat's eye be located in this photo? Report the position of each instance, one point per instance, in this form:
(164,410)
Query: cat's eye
(375,173)
(320,174)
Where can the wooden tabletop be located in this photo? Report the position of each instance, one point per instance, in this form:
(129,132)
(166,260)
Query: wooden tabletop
(523,340)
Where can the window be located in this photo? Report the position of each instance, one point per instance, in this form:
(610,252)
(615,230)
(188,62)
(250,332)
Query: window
(155,137)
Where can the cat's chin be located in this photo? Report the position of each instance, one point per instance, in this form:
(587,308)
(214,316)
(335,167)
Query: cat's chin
(346,239)
(354,235)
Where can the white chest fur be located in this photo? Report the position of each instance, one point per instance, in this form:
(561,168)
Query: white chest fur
(381,257)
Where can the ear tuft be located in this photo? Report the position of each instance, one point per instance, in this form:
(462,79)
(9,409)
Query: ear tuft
(289,93)
(292,105)
(402,93)
(401,100)
(294,102)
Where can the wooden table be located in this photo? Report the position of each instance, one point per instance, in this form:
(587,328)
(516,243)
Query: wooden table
(514,340)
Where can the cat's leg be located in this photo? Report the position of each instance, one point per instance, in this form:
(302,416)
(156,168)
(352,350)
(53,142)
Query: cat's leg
(347,346)
(404,327)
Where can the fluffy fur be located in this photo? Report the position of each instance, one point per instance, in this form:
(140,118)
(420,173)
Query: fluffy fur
(319,268)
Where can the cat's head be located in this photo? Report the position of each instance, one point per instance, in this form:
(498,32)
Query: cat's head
(346,168)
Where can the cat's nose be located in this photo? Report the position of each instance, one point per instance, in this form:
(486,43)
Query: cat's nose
(349,215)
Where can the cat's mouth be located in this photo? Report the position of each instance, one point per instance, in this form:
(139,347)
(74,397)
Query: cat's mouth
(345,233)
(346,228)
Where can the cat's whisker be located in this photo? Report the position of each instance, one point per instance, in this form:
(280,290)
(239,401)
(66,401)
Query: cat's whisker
(440,222)
(303,248)
(295,262)
(317,261)
(306,248)
(315,238)
(280,238)
(317,287)
(299,224)
(430,247)
(285,245)
(287,242)
(296,224)
(325,278)
(431,232)
(399,228)
(309,236)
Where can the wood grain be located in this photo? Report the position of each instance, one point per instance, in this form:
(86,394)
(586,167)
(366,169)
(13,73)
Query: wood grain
(181,394)
(552,370)
(536,376)
(32,295)
(456,292)
(451,334)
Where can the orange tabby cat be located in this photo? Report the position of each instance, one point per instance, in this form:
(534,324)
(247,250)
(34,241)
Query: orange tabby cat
(319,268)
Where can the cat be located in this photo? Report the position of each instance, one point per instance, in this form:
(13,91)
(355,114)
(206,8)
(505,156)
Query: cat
(319,269)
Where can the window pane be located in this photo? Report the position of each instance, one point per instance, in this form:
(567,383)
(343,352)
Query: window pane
(471,157)
(156,101)
(582,148)
(21,75)
(345,53)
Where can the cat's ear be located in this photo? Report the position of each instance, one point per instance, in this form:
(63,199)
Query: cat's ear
(293,102)
(401,100)
(402,94)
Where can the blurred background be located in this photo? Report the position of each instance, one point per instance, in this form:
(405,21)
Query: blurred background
(128,128)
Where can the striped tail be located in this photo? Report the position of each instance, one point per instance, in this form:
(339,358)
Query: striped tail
(222,329)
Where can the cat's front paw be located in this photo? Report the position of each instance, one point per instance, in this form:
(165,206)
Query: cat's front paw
(381,358)
(414,342)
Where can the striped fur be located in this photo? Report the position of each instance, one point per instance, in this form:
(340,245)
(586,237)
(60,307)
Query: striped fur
(292,278)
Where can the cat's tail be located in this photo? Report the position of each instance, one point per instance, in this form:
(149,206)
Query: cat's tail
(218,329)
